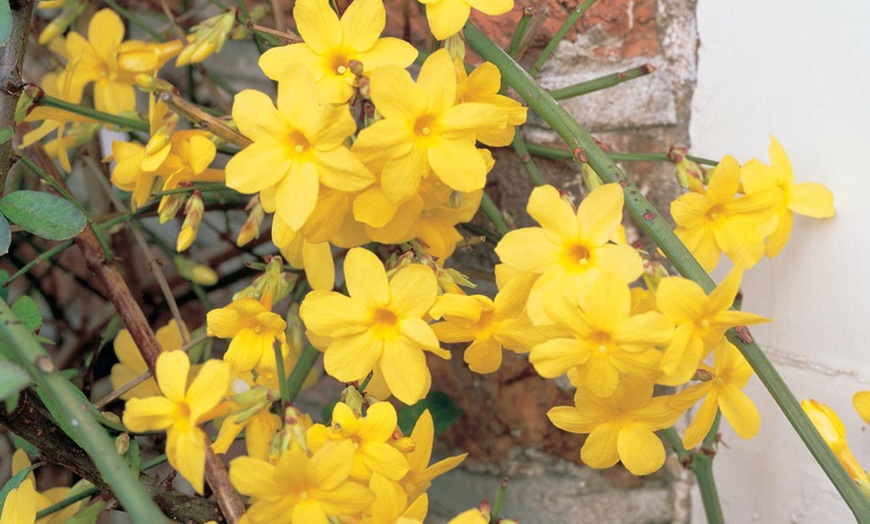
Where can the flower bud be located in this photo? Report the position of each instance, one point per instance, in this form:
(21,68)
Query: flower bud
(152,84)
(590,178)
(689,174)
(193,211)
(122,443)
(61,22)
(207,37)
(195,272)
(251,229)
(169,206)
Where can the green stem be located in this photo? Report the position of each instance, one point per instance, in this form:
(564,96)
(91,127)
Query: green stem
(69,501)
(560,34)
(300,372)
(85,429)
(130,123)
(499,501)
(522,150)
(45,255)
(520,32)
(562,154)
(651,222)
(600,83)
(702,467)
(258,39)
(494,214)
(490,236)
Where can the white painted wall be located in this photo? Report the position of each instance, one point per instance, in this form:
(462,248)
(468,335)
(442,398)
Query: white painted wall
(799,69)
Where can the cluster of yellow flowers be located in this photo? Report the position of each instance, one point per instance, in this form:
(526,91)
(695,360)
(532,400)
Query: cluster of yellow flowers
(355,150)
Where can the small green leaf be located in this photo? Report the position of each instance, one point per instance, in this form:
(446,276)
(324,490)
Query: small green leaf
(28,312)
(5,236)
(6,132)
(88,514)
(4,277)
(444,413)
(43,214)
(14,482)
(5,22)
(133,455)
(12,379)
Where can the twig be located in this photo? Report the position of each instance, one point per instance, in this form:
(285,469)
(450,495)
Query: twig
(11,62)
(205,121)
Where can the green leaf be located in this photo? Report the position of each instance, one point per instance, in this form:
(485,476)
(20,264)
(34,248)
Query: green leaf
(43,214)
(12,379)
(5,236)
(88,514)
(5,22)
(6,132)
(14,482)
(28,312)
(133,455)
(444,413)
(4,277)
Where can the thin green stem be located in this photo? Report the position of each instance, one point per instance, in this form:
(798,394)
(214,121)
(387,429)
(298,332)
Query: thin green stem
(83,427)
(499,501)
(522,150)
(494,214)
(702,467)
(651,222)
(208,186)
(490,236)
(258,39)
(520,32)
(45,255)
(562,154)
(129,123)
(560,34)
(604,82)
(69,501)
(300,372)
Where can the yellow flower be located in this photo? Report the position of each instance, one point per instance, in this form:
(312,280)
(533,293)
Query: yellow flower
(249,411)
(371,436)
(299,489)
(601,339)
(131,364)
(832,430)
(489,325)
(446,17)
(471,516)
(253,329)
(701,322)
(717,221)
(379,327)
(315,259)
(420,474)
(21,461)
(730,374)
(296,147)
(332,44)
(483,85)
(571,249)
(110,63)
(806,198)
(620,427)
(423,128)
(20,505)
(180,410)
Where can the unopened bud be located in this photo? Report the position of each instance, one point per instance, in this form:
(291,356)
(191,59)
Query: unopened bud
(270,287)
(193,210)
(197,273)
(152,84)
(590,178)
(831,428)
(122,443)
(404,444)
(251,229)
(354,400)
(207,37)
(364,89)
(61,22)
(108,415)
(356,67)
(455,46)
(169,206)
(689,174)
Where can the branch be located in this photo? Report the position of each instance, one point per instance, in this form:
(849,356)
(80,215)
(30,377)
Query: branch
(32,422)
(11,62)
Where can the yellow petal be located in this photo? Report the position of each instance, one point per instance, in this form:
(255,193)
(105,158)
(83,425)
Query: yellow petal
(208,388)
(811,199)
(600,213)
(861,401)
(413,290)
(739,411)
(640,450)
(366,278)
(553,213)
(172,370)
(600,449)
(318,25)
(148,414)
(405,372)
(185,450)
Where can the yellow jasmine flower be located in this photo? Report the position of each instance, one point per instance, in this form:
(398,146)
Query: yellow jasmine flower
(331,45)
(701,322)
(621,427)
(423,128)
(297,146)
(805,198)
(42,500)
(180,409)
(379,326)
(20,505)
(730,374)
(831,428)
(446,17)
(571,249)
(489,325)
(299,489)
(131,364)
(110,63)
(483,85)
(253,329)
(601,338)
(718,221)
(249,410)
(420,474)
(371,436)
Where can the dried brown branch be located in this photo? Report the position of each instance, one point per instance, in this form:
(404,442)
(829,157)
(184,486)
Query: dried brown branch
(11,62)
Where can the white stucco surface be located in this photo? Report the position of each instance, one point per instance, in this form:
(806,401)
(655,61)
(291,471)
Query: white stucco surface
(799,69)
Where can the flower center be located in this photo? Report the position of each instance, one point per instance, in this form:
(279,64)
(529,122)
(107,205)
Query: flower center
(578,256)
(384,324)
(713,213)
(298,143)
(424,127)
(341,69)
